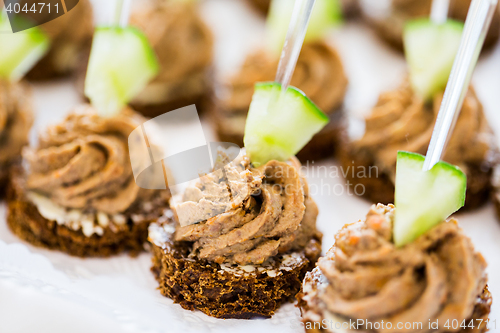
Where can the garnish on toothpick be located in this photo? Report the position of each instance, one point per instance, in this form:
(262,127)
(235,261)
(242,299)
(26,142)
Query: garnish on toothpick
(476,26)
(281,119)
(430,48)
(424,199)
(278,128)
(428,191)
(325,14)
(19,52)
(121,64)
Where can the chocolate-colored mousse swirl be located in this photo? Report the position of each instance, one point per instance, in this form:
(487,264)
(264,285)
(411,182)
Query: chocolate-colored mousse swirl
(277,216)
(83,162)
(15,121)
(183,44)
(70,38)
(438,277)
(402,121)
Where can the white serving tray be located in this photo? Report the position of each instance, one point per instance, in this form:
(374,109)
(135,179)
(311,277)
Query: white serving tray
(47,291)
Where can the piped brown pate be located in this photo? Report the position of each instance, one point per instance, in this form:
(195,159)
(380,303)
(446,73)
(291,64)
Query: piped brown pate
(77,192)
(319,73)
(402,121)
(245,261)
(438,277)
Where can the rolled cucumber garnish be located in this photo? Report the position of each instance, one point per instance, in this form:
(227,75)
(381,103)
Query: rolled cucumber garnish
(424,199)
(19,52)
(430,50)
(325,14)
(121,64)
(279,125)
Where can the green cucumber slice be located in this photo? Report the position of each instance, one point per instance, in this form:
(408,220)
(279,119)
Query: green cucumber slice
(430,50)
(279,126)
(20,51)
(424,199)
(121,64)
(325,14)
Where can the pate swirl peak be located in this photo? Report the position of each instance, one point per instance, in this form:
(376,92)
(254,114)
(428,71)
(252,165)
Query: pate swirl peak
(438,277)
(402,121)
(84,163)
(15,120)
(278,216)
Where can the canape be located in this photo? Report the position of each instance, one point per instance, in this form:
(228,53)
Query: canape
(389,21)
(404,119)
(70,39)
(401,120)
(241,238)
(319,73)
(248,260)
(183,44)
(405,268)
(366,283)
(76,192)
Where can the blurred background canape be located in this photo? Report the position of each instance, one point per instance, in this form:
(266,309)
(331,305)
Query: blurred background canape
(319,74)
(70,40)
(183,44)
(388,17)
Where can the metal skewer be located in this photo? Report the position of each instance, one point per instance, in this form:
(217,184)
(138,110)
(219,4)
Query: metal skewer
(476,26)
(293,42)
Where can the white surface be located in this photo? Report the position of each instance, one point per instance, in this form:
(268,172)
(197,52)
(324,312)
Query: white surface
(46,291)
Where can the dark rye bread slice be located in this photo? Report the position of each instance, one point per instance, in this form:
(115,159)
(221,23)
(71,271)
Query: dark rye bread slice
(25,221)
(496,202)
(495,193)
(380,189)
(204,104)
(322,145)
(224,292)
(4,177)
(480,313)
(46,68)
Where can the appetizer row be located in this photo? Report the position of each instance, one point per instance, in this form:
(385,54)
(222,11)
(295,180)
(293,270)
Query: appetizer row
(401,120)
(242,256)
(389,17)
